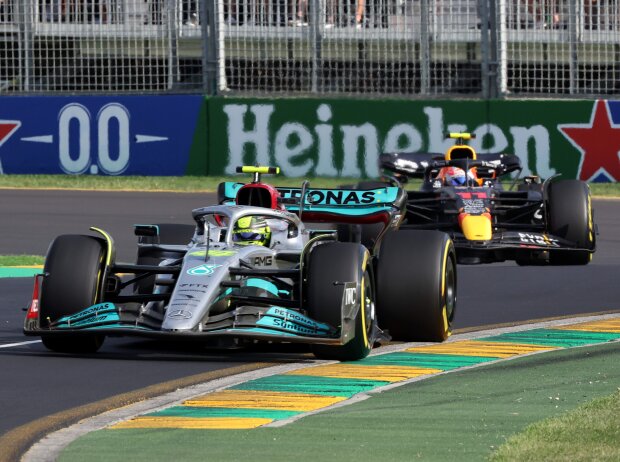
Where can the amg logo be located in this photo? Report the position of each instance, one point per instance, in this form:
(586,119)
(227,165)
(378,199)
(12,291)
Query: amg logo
(266,260)
(350,295)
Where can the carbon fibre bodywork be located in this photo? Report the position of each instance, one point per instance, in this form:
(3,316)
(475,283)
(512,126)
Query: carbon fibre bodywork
(487,222)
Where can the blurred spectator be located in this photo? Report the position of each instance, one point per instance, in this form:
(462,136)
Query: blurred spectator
(359,13)
(51,10)
(231,13)
(301,12)
(5,11)
(190,13)
(154,12)
(377,13)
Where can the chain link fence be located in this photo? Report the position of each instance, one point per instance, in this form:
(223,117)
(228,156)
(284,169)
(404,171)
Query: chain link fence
(373,48)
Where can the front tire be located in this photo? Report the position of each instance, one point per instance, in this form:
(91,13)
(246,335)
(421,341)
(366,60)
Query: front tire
(416,285)
(569,216)
(74,268)
(341,262)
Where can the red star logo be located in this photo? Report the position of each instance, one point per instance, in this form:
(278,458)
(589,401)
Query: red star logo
(598,142)
(7,128)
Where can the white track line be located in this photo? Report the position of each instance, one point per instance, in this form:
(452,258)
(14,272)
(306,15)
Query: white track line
(10,345)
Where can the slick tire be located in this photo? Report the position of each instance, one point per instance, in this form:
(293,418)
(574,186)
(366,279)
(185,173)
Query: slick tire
(416,285)
(169,234)
(569,216)
(340,262)
(73,267)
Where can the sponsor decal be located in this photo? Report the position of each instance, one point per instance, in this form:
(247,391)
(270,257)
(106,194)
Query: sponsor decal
(538,239)
(193,286)
(180,314)
(473,206)
(266,260)
(598,141)
(203,270)
(350,295)
(329,197)
(100,135)
(292,321)
(325,143)
(189,296)
(92,320)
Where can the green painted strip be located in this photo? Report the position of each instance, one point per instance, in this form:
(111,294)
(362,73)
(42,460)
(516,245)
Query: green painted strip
(433,361)
(12,272)
(198,412)
(556,338)
(326,386)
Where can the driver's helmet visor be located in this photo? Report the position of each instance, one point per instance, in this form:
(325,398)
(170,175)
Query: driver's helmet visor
(247,236)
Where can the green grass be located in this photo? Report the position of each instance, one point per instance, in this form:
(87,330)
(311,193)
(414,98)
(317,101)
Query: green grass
(21,260)
(605,189)
(590,432)
(154,183)
(194,183)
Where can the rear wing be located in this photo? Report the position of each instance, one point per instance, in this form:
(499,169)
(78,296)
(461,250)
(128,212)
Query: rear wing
(415,164)
(333,205)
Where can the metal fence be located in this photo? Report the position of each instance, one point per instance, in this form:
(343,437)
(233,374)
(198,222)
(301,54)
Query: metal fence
(400,48)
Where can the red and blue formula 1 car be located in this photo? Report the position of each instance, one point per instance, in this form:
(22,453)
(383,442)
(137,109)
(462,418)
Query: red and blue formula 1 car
(537,222)
(250,270)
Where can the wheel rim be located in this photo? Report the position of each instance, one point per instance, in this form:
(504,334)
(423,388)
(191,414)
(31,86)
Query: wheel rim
(450,290)
(368,307)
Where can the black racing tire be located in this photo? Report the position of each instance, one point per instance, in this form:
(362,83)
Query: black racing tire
(416,285)
(169,234)
(341,262)
(73,267)
(569,216)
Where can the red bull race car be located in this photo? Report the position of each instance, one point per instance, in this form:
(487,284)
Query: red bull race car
(252,270)
(531,221)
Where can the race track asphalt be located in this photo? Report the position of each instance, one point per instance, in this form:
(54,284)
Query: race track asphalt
(37,383)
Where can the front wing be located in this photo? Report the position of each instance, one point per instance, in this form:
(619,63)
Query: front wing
(510,245)
(270,323)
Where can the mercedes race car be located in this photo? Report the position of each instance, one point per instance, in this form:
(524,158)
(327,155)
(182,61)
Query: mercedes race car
(251,270)
(537,222)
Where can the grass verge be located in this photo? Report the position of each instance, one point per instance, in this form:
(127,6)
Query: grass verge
(194,183)
(150,183)
(590,432)
(21,260)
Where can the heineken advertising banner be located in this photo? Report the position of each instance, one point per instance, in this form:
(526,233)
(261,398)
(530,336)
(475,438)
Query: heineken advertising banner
(322,137)
(191,134)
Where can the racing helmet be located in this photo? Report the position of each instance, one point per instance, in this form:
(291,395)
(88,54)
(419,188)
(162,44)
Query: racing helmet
(455,176)
(251,231)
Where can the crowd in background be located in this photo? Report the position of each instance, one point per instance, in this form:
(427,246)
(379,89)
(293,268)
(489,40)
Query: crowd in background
(525,14)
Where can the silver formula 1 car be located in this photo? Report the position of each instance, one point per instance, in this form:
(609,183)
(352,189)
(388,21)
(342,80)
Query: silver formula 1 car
(251,270)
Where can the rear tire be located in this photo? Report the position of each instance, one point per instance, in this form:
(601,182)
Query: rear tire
(73,267)
(341,262)
(569,215)
(416,285)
